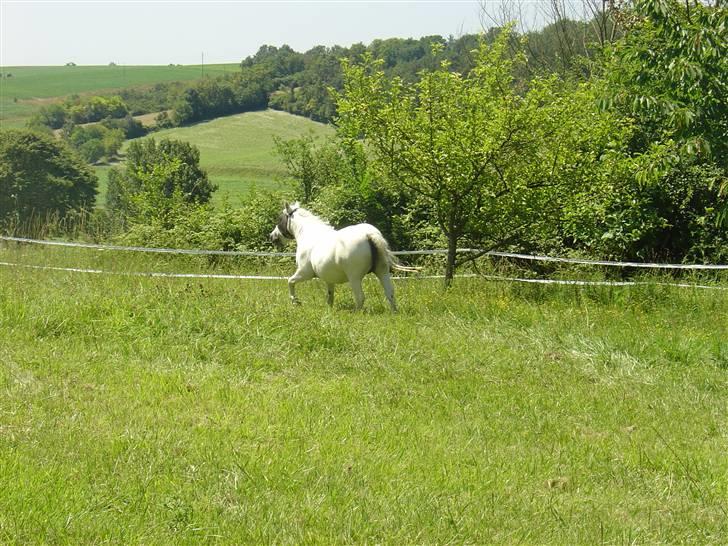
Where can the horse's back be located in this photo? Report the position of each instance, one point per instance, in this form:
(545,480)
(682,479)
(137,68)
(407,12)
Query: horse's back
(346,254)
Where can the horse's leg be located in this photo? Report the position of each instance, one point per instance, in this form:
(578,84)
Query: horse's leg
(330,294)
(298,276)
(355,283)
(386,281)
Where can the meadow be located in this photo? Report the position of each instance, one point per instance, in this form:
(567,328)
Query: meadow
(187,411)
(238,152)
(31,87)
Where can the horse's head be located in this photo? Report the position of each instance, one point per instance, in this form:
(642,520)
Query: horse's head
(282,231)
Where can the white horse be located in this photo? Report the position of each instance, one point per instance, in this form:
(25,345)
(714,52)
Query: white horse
(336,256)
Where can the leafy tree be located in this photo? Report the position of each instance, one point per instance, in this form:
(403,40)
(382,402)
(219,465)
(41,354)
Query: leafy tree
(669,72)
(52,116)
(172,166)
(130,127)
(486,162)
(39,175)
(95,141)
(308,164)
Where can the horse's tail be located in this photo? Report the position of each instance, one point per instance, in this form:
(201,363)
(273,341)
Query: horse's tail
(381,253)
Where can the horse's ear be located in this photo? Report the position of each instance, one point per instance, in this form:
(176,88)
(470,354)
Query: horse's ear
(287,207)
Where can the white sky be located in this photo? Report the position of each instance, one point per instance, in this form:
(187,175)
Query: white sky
(163,32)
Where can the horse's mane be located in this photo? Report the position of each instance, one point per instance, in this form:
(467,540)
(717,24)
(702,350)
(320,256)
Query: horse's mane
(310,216)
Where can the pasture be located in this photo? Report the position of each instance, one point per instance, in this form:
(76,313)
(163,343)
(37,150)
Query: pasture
(238,152)
(187,411)
(31,87)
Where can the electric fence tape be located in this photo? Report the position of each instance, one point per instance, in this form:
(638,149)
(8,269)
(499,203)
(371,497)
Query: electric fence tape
(397,253)
(415,277)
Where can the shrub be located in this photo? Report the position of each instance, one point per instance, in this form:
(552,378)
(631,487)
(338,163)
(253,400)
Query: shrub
(40,176)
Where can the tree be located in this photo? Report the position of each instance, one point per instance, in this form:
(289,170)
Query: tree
(669,72)
(95,141)
(486,161)
(39,175)
(53,116)
(172,165)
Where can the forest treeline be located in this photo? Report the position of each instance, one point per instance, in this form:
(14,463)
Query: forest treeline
(299,83)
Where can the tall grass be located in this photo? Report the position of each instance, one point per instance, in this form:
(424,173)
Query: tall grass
(167,411)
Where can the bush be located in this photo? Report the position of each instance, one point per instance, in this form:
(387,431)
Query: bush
(41,176)
(131,127)
(172,166)
(95,141)
(204,227)
(674,219)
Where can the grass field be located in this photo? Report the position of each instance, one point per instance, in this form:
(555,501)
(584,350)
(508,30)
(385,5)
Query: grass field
(238,151)
(33,86)
(171,411)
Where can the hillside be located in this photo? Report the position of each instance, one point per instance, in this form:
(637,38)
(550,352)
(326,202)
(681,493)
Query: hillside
(238,151)
(30,87)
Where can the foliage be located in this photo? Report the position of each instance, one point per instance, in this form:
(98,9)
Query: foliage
(93,109)
(153,98)
(486,160)
(79,110)
(311,166)
(671,221)
(163,120)
(131,127)
(669,72)
(154,172)
(53,116)
(39,176)
(172,223)
(95,141)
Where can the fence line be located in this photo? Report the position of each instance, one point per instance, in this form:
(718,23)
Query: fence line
(399,278)
(396,252)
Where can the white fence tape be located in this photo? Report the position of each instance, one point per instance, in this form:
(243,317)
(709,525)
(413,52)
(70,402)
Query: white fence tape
(146,274)
(397,253)
(603,262)
(414,277)
(148,249)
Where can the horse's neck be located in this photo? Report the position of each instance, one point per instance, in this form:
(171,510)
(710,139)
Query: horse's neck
(309,229)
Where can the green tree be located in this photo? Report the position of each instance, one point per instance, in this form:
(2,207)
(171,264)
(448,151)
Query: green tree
(669,73)
(52,116)
(183,179)
(39,175)
(486,162)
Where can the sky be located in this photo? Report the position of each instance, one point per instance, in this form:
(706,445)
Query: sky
(163,32)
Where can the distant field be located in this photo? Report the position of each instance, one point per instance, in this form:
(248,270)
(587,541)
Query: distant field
(32,86)
(238,151)
(196,411)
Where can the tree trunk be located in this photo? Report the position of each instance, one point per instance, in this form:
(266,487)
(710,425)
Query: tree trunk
(452,245)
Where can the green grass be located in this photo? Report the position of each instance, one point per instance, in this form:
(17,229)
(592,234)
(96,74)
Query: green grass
(31,87)
(238,151)
(163,411)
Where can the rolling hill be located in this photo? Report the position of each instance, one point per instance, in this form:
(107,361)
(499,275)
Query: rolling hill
(238,152)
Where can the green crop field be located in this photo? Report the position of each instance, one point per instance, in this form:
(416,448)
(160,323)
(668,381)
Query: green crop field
(30,87)
(238,151)
(185,411)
